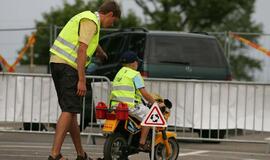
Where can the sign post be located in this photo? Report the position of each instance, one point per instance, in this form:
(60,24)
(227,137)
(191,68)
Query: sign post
(154,119)
(153,143)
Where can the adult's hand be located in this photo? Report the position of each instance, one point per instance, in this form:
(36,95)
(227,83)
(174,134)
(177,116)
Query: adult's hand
(101,54)
(81,88)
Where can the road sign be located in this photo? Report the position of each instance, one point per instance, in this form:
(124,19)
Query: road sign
(154,117)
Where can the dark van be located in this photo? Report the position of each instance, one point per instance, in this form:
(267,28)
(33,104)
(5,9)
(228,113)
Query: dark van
(166,55)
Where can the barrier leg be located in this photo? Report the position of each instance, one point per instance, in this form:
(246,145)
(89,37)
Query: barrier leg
(92,138)
(267,145)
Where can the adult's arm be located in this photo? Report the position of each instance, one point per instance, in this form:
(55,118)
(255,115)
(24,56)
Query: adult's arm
(86,33)
(81,60)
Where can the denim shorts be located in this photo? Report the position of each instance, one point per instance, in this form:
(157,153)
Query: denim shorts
(65,80)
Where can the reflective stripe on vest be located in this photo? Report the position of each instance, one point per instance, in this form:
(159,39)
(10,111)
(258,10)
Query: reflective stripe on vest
(123,99)
(123,89)
(71,46)
(67,43)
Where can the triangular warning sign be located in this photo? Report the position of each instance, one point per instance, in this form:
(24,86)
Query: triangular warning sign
(154,117)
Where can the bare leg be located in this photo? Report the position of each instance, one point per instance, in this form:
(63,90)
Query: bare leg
(75,135)
(144,133)
(62,127)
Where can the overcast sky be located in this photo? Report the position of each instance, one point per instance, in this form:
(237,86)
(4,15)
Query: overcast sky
(23,13)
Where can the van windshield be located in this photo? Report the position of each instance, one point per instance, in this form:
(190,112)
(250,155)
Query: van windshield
(194,51)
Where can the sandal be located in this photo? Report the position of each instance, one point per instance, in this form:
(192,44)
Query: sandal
(85,157)
(144,147)
(58,157)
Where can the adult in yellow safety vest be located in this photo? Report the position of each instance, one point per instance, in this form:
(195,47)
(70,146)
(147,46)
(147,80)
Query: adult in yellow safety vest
(128,87)
(71,52)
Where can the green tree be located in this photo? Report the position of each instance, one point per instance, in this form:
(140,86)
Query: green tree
(240,66)
(207,16)
(130,20)
(56,17)
(59,17)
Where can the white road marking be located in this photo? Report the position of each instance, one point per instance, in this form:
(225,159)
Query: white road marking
(193,153)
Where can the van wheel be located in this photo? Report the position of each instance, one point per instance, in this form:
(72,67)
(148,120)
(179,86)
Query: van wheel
(34,127)
(214,133)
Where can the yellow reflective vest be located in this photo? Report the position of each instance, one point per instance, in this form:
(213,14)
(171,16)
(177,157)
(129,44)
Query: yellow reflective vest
(67,43)
(123,88)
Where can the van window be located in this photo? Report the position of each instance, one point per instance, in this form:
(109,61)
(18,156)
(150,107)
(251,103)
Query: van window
(113,47)
(194,51)
(137,44)
(104,43)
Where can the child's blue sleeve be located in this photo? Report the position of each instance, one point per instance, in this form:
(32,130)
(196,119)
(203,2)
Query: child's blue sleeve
(138,81)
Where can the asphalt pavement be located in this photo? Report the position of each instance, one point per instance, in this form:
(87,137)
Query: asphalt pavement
(28,146)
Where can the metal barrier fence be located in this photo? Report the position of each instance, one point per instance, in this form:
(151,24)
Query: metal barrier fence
(209,110)
(214,110)
(231,111)
(28,102)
